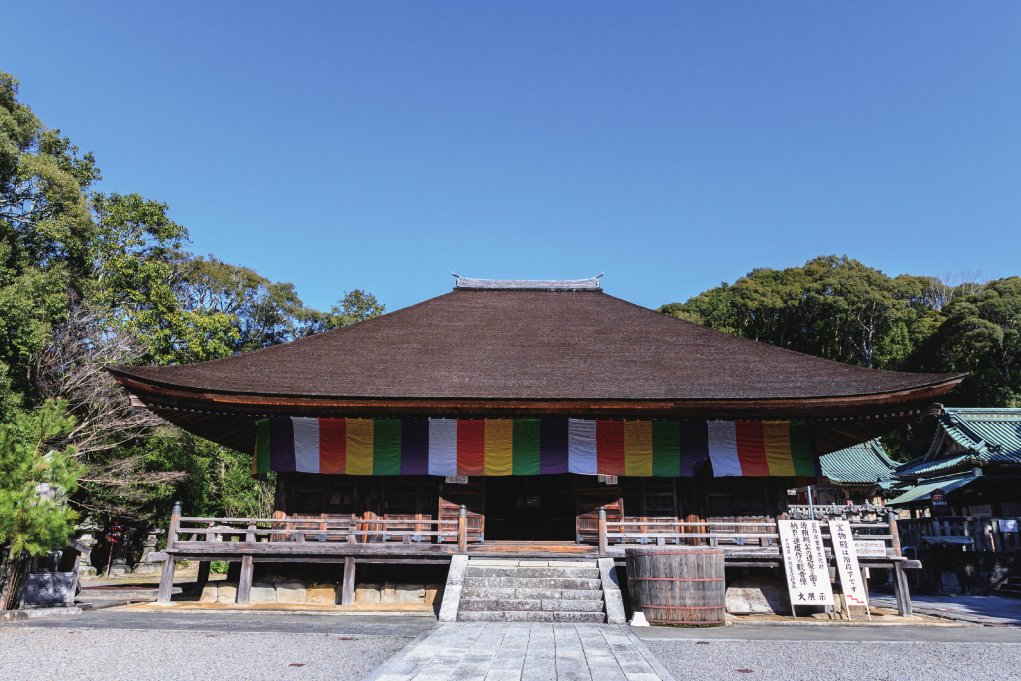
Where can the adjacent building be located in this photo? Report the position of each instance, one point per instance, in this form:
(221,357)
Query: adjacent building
(972,467)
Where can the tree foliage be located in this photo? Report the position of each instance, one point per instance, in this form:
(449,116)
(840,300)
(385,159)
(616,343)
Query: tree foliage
(841,309)
(91,278)
(35,480)
(981,334)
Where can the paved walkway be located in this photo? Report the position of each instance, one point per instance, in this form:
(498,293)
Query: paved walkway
(989,610)
(499,651)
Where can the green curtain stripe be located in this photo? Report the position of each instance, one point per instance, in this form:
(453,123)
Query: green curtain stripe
(801,450)
(525,443)
(666,448)
(262,446)
(386,449)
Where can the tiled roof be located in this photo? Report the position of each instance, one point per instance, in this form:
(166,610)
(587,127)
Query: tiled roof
(863,463)
(987,436)
(923,492)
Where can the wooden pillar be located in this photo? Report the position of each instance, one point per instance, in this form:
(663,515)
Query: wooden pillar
(166,589)
(347,593)
(203,576)
(902,591)
(351,529)
(462,530)
(894,533)
(245,582)
(166,581)
(602,531)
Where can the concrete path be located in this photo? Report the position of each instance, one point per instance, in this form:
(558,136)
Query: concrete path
(795,634)
(988,610)
(499,651)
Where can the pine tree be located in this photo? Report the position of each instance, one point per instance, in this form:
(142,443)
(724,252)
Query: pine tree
(35,482)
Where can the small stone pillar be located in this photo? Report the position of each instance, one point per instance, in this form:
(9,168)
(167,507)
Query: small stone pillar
(86,535)
(120,562)
(146,565)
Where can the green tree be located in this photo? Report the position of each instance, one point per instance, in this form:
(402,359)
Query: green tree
(980,334)
(259,312)
(140,282)
(35,483)
(45,237)
(89,279)
(833,307)
(354,307)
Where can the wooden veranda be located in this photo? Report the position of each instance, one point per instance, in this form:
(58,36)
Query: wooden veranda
(751,543)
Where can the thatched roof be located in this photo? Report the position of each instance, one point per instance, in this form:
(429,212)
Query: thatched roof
(500,351)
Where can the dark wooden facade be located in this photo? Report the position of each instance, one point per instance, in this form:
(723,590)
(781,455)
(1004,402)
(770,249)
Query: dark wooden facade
(521,508)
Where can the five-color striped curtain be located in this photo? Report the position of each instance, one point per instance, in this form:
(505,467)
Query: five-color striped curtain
(499,447)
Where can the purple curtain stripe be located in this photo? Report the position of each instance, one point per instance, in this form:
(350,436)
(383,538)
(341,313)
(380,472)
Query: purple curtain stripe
(281,439)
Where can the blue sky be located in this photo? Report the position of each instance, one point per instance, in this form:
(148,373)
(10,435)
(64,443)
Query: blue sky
(672,145)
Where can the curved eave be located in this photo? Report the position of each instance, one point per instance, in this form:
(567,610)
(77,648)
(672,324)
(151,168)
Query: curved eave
(185,397)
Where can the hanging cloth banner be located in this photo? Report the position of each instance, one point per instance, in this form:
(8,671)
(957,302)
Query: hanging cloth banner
(501,447)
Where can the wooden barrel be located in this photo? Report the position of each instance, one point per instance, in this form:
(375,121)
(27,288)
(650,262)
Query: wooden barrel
(681,587)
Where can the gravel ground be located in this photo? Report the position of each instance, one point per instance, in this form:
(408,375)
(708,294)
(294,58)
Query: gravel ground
(147,655)
(724,660)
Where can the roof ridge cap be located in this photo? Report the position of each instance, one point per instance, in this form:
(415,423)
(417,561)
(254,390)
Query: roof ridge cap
(472,283)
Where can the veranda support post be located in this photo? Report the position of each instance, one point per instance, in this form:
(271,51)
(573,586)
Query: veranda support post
(203,576)
(601,529)
(244,593)
(901,590)
(347,592)
(462,530)
(166,589)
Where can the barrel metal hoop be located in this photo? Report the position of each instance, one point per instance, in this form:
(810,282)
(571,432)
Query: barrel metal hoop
(683,607)
(710,552)
(678,579)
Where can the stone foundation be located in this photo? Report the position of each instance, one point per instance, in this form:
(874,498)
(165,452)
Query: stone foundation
(388,592)
(297,591)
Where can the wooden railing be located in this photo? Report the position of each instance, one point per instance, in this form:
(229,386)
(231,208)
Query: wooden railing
(322,539)
(731,534)
(972,533)
(864,512)
(187,532)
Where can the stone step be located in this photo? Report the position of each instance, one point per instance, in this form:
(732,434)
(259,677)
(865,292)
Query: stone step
(521,604)
(529,592)
(101,593)
(533,572)
(530,616)
(530,562)
(471,582)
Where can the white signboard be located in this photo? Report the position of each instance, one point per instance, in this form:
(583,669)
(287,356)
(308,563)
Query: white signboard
(870,548)
(808,576)
(855,591)
(456,479)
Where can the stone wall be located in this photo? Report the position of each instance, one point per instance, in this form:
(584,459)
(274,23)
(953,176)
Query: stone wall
(298,591)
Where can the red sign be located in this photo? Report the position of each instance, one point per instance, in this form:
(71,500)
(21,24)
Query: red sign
(115,534)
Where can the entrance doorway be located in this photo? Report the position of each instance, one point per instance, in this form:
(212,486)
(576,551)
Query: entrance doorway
(530,508)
